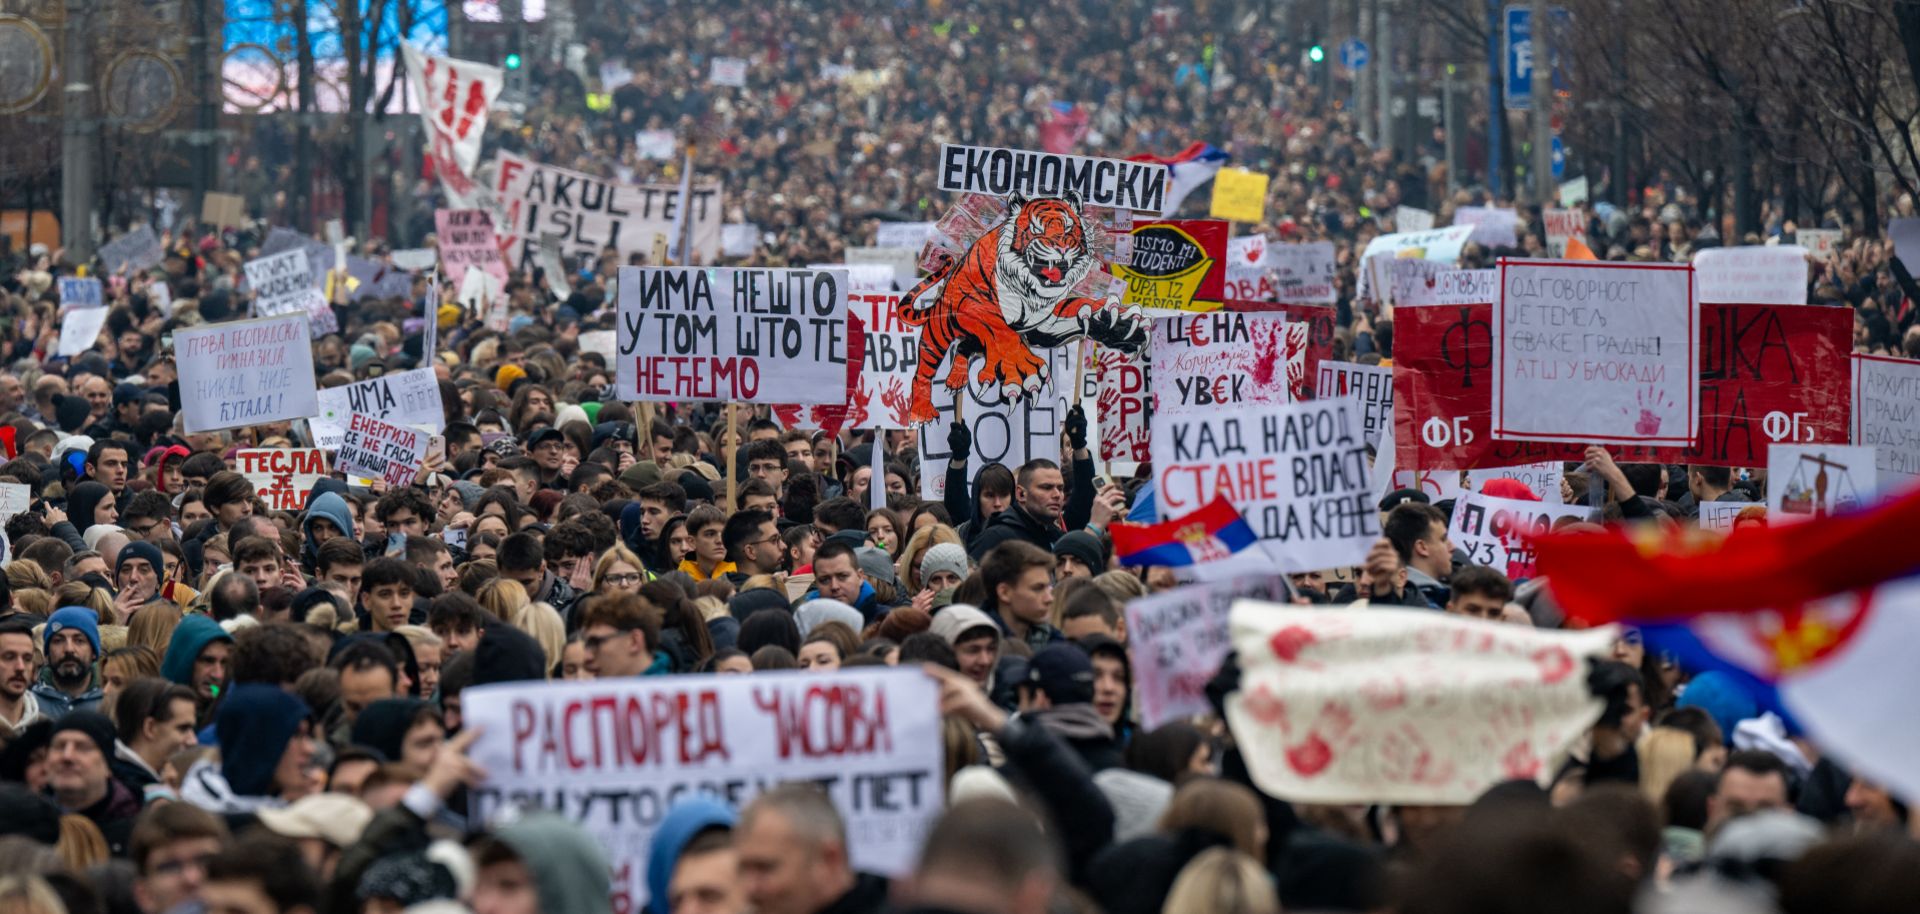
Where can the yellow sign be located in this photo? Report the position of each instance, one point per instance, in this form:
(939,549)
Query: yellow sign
(1239,195)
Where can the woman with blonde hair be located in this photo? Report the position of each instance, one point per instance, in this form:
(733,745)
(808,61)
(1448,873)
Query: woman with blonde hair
(618,569)
(80,593)
(1665,754)
(503,597)
(546,627)
(81,843)
(120,666)
(1222,881)
(26,894)
(152,627)
(27,573)
(1223,807)
(33,601)
(908,567)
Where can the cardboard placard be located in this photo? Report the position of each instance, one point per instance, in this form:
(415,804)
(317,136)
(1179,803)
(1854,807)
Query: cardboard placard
(1755,274)
(1202,363)
(745,335)
(1006,433)
(245,373)
(1369,385)
(590,213)
(1135,186)
(410,398)
(467,241)
(1808,481)
(1886,415)
(1499,532)
(1239,195)
(1177,640)
(223,210)
(282,477)
(80,330)
(381,450)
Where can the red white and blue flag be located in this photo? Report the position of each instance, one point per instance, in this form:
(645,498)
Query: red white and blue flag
(1817,619)
(1191,168)
(1211,533)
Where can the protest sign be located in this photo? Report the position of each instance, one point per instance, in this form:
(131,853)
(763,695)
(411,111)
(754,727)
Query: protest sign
(1437,244)
(880,385)
(1411,219)
(1756,274)
(1437,485)
(1123,405)
(1905,235)
(283,284)
(1222,361)
(1247,251)
(904,262)
(1404,706)
(245,373)
(590,213)
(81,292)
(1767,373)
(1176,266)
(728,71)
(1542,479)
(909,235)
(1886,415)
(1574,192)
(657,145)
(614,754)
(1493,226)
(1303,272)
(1499,532)
(1006,433)
(861,277)
(737,239)
(369,278)
(1297,472)
(1177,640)
(1399,278)
(15,497)
(1806,481)
(1593,353)
(1449,287)
(454,97)
(80,330)
(410,398)
(1720,515)
(1320,333)
(1248,276)
(162,297)
(745,335)
(377,449)
(1116,183)
(1563,224)
(1820,243)
(283,477)
(1239,195)
(467,241)
(599,342)
(223,210)
(136,250)
(414,260)
(1369,385)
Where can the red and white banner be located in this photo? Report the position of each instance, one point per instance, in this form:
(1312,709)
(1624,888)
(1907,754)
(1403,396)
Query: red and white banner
(1124,405)
(283,477)
(454,97)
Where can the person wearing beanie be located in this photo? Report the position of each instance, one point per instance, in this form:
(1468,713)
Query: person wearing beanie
(197,658)
(815,613)
(359,356)
(266,743)
(693,849)
(28,814)
(136,574)
(80,778)
(975,639)
(1080,554)
(508,374)
(71,680)
(507,654)
(70,413)
(944,566)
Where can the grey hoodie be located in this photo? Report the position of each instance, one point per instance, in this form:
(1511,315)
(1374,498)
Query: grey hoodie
(570,868)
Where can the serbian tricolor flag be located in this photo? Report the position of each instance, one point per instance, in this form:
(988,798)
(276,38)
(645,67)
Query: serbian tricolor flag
(1817,619)
(1191,168)
(1208,534)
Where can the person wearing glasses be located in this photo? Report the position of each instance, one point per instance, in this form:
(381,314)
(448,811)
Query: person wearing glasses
(753,545)
(619,570)
(621,630)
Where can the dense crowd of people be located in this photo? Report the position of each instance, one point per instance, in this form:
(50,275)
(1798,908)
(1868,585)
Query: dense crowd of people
(208,703)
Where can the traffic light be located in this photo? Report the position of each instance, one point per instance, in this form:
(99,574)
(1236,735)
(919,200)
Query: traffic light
(513,60)
(1316,53)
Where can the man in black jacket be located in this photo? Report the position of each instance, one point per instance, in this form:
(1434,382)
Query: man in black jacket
(794,858)
(1044,506)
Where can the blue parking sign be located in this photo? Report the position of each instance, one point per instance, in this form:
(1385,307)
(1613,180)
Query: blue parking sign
(1354,54)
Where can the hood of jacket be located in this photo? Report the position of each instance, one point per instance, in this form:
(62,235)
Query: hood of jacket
(192,636)
(332,507)
(1073,722)
(254,725)
(206,788)
(570,870)
(684,821)
(383,725)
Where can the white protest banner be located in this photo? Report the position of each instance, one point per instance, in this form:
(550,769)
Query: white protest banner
(1753,275)
(590,213)
(135,251)
(414,260)
(1905,235)
(454,96)
(1574,192)
(245,373)
(381,450)
(1596,353)
(1437,244)
(481,294)
(1411,219)
(1543,478)
(1123,405)
(80,330)
(283,284)
(1720,515)
(614,754)
(283,477)
(553,266)
(861,277)
(1493,226)
(81,292)
(746,335)
(905,262)
(1177,640)
(1820,243)
(1563,224)
(1225,360)
(1005,433)
(1117,183)
(1405,278)
(1499,532)
(1814,480)
(655,144)
(1370,385)
(1886,415)
(1248,277)
(1247,251)
(1297,472)
(728,71)
(737,239)
(1451,287)
(909,235)
(467,241)
(1404,706)
(1303,272)
(410,398)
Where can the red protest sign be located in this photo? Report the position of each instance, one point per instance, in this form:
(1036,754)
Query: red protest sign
(1319,320)
(1769,374)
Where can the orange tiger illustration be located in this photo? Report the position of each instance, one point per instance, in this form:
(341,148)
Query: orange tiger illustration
(1008,295)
